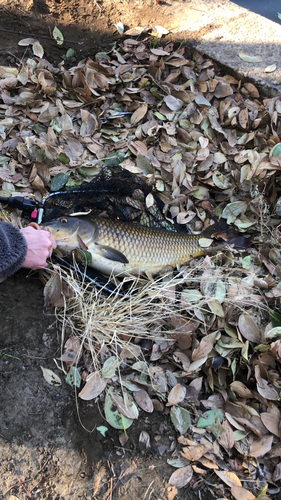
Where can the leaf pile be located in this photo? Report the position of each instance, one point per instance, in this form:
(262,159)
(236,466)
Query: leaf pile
(208,349)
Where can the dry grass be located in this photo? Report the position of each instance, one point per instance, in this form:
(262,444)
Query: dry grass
(146,309)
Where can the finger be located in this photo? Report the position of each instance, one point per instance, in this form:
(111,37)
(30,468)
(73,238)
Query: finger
(53,241)
(34,225)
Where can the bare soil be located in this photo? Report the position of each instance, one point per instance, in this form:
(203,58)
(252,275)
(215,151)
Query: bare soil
(88,27)
(44,448)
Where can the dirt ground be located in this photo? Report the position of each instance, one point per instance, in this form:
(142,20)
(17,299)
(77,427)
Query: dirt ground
(45,451)
(88,27)
(43,444)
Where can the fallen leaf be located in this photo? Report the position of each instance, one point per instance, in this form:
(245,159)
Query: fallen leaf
(248,58)
(143,400)
(94,386)
(271,422)
(181,477)
(194,453)
(241,493)
(261,446)
(176,395)
(248,328)
(229,478)
(51,377)
(139,113)
(241,389)
(270,69)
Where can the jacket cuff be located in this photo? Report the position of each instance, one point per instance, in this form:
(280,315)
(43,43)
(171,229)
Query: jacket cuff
(13,249)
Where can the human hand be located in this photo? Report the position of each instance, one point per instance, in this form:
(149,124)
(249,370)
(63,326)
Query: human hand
(40,244)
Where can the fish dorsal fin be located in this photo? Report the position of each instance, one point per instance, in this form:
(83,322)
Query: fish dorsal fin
(111,254)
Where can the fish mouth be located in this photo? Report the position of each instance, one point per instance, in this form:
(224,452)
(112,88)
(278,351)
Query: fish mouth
(61,234)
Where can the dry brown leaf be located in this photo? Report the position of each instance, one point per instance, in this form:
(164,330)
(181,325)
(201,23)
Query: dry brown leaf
(271,422)
(210,464)
(253,91)
(223,90)
(173,103)
(194,453)
(176,395)
(261,446)
(126,406)
(143,400)
(94,386)
(241,493)
(181,477)
(241,389)
(229,478)
(139,113)
(249,328)
(204,348)
(244,118)
(233,422)
(227,438)
(246,423)
(266,391)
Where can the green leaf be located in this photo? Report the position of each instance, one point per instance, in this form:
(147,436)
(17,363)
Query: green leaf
(73,377)
(59,181)
(63,158)
(58,36)
(160,117)
(247,262)
(209,418)
(71,183)
(4,159)
(217,429)
(239,435)
(201,193)
(114,159)
(114,417)
(110,366)
(85,257)
(262,493)
(275,318)
(178,463)
(279,15)
(244,351)
(102,429)
(70,53)
(180,418)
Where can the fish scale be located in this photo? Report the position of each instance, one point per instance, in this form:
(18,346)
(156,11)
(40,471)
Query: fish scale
(144,245)
(120,248)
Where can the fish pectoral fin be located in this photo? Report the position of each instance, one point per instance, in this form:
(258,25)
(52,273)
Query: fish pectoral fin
(82,245)
(111,254)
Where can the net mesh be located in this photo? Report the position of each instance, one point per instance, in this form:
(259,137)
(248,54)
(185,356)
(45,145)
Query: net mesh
(116,193)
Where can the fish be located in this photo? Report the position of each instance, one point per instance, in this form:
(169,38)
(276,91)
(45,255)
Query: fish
(122,248)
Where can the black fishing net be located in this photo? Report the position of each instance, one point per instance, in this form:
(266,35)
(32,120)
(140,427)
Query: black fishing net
(116,193)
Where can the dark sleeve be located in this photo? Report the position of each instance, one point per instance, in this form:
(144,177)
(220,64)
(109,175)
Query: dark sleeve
(13,249)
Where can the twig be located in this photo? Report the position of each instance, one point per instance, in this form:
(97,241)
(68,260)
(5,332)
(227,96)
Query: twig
(27,480)
(148,489)
(95,2)
(22,485)
(12,396)
(111,486)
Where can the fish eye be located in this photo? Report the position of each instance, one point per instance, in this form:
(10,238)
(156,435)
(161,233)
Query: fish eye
(64,219)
